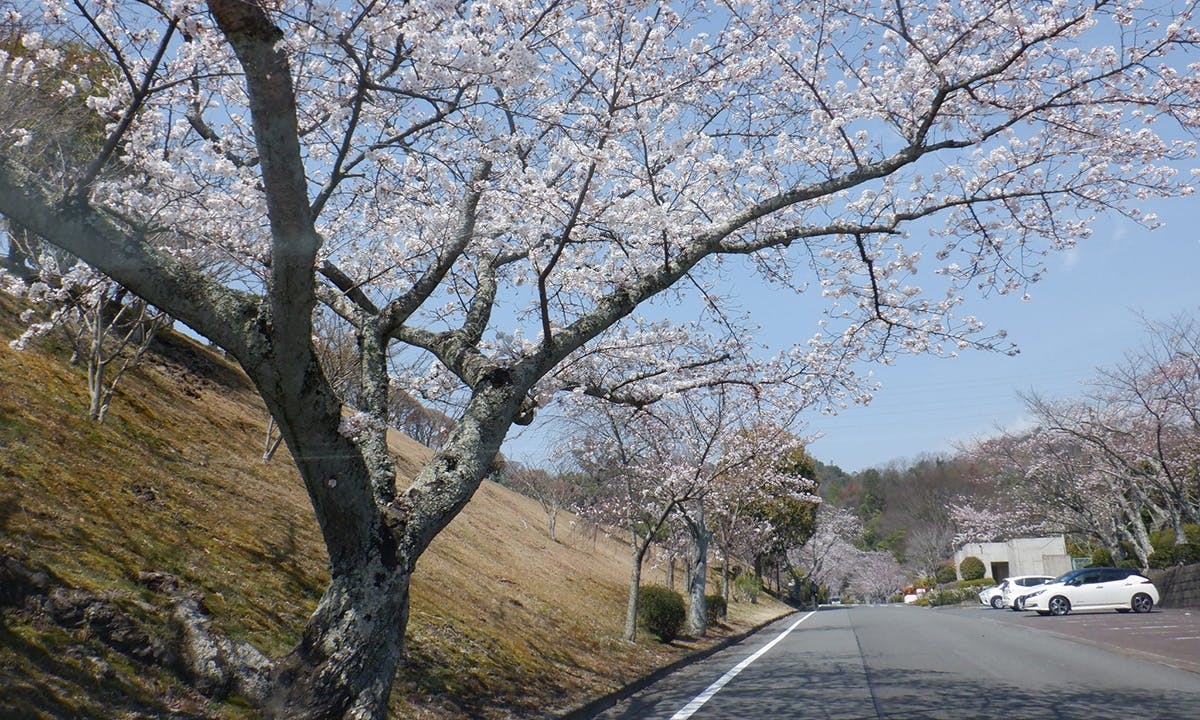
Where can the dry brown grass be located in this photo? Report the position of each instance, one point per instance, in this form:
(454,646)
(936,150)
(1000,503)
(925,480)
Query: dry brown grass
(505,622)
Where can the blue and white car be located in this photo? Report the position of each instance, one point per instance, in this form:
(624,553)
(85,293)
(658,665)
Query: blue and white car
(1095,588)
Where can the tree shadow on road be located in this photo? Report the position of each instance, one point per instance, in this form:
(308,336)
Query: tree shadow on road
(836,694)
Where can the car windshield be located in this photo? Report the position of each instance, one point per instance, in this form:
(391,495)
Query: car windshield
(1066,576)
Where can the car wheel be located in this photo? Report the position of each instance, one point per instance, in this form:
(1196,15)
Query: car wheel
(997,602)
(1059,605)
(1142,603)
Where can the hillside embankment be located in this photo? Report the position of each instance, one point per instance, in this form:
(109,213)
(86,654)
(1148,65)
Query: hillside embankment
(144,559)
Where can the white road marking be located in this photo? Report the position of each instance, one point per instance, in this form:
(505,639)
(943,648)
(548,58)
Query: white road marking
(697,702)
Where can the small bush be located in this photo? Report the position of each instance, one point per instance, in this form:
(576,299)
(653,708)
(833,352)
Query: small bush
(1186,554)
(661,611)
(950,596)
(972,568)
(945,574)
(1164,557)
(748,586)
(1130,564)
(1162,539)
(715,609)
(977,583)
(1102,557)
(1189,553)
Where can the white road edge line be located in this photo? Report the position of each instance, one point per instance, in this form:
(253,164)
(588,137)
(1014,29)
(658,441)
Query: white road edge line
(688,710)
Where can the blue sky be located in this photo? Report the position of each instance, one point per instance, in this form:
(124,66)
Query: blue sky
(1083,315)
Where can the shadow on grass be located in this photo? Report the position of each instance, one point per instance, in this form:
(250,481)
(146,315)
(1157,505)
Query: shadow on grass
(56,677)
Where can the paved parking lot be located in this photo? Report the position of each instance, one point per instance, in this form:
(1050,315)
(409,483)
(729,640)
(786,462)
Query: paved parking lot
(1170,636)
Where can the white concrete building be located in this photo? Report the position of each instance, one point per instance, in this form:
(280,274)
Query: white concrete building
(1020,556)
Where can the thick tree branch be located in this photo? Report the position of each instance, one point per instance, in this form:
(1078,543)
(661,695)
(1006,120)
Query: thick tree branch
(210,308)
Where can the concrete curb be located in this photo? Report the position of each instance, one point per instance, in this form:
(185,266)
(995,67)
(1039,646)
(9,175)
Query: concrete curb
(599,705)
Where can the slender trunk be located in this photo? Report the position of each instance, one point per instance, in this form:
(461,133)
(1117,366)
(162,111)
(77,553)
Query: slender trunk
(671,572)
(95,366)
(725,576)
(270,443)
(697,620)
(1138,535)
(637,555)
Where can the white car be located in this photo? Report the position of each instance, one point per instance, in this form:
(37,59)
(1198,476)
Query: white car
(990,596)
(1015,587)
(1095,588)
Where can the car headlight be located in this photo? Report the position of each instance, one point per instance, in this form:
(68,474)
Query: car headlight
(1039,592)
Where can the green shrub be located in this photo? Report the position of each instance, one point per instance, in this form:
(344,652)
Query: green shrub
(715,609)
(1191,533)
(971,568)
(661,611)
(950,596)
(1189,553)
(1130,564)
(1102,557)
(1186,554)
(1162,539)
(748,586)
(977,583)
(1164,557)
(945,574)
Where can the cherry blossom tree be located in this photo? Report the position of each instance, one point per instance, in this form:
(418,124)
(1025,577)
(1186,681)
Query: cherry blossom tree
(1157,387)
(617,446)
(515,195)
(876,575)
(555,491)
(1048,483)
(829,556)
(731,451)
(699,461)
(765,508)
(109,330)
(1113,466)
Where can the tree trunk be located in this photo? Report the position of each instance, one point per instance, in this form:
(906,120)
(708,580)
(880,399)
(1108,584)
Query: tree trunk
(637,554)
(95,368)
(697,612)
(349,652)
(270,444)
(725,576)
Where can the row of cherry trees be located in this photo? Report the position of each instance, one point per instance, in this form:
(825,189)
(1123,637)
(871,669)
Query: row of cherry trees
(1113,465)
(836,557)
(714,469)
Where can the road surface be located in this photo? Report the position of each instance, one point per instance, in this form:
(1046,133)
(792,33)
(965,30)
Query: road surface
(904,662)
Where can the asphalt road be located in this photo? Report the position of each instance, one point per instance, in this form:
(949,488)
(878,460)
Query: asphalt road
(904,662)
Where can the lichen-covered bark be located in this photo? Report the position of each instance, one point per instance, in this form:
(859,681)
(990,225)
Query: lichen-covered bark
(350,650)
(697,618)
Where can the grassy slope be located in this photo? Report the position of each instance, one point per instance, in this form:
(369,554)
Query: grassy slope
(504,622)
